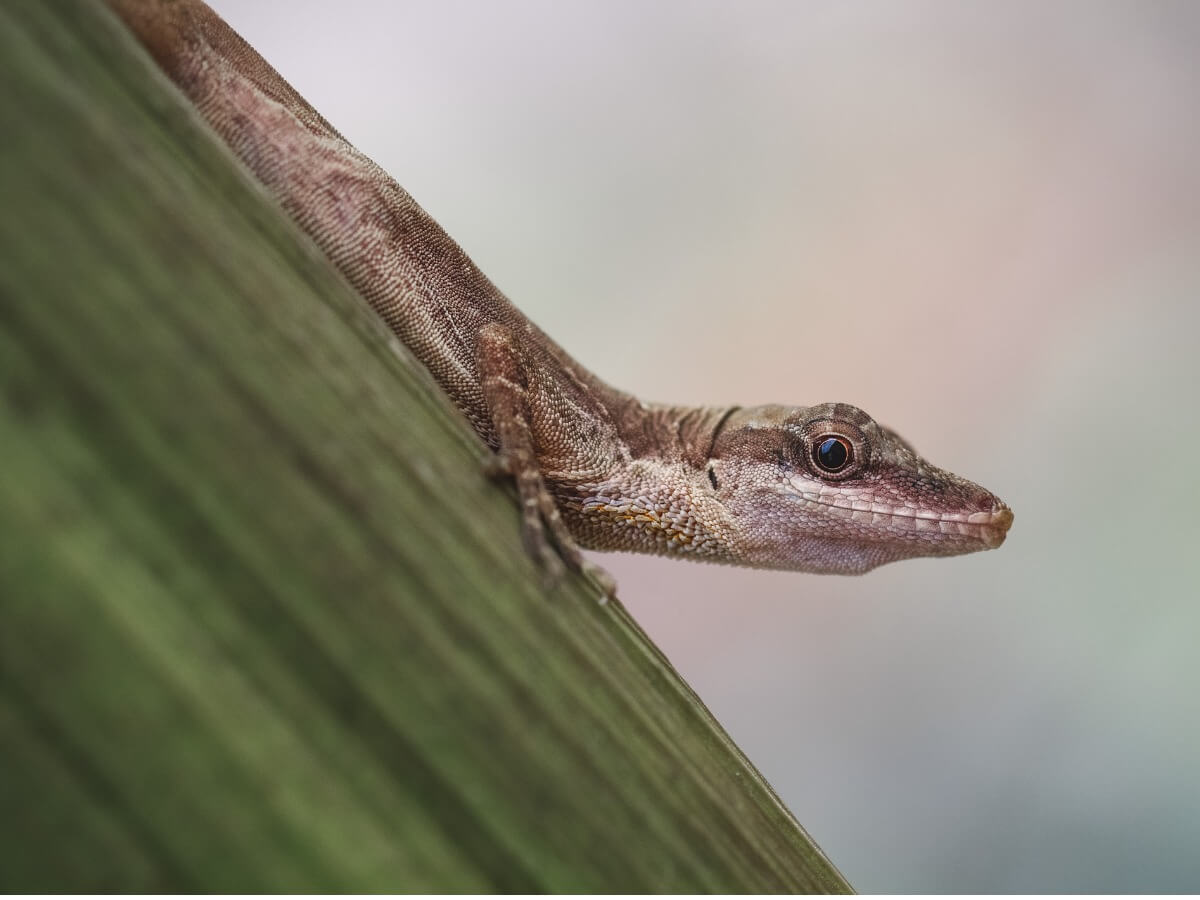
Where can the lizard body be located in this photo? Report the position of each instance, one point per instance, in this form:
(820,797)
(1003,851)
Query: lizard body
(819,489)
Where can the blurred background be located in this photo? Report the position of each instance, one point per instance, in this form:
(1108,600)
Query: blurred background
(980,223)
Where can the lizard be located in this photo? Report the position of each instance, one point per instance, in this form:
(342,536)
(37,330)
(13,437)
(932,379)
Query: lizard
(822,488)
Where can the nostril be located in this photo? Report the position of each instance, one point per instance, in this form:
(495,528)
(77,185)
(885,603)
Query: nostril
(986,501)
(992,512)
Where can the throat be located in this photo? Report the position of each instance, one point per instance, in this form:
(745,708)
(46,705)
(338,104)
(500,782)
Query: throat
(651,506)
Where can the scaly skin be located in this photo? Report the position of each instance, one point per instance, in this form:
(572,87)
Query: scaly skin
(594,466)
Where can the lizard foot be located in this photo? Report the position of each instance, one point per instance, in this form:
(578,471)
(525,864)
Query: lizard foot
(543,531)
(505,388)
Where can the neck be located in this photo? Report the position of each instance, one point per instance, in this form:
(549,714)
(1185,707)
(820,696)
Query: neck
(675,434)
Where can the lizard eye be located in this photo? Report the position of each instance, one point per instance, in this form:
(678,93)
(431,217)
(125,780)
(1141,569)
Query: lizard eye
(831,453)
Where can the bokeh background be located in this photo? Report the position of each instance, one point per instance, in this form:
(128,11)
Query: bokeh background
(979,222)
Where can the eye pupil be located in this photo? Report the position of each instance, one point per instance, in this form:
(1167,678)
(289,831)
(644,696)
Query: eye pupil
(831,453)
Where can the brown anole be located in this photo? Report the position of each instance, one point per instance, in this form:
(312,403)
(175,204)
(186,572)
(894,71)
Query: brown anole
(820,488)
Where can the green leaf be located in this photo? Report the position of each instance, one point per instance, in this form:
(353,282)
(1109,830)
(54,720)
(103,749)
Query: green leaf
(264,623)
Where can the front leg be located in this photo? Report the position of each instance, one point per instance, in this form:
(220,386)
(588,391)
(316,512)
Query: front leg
(504,380)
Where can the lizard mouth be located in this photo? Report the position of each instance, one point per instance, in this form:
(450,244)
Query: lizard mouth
(988,526)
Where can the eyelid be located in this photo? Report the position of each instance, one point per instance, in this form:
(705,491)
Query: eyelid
(816,430)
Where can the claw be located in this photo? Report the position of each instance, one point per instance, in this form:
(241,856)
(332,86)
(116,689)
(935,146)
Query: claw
(606,583)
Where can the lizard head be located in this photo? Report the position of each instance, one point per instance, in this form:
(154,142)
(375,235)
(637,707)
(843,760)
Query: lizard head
(827,489)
